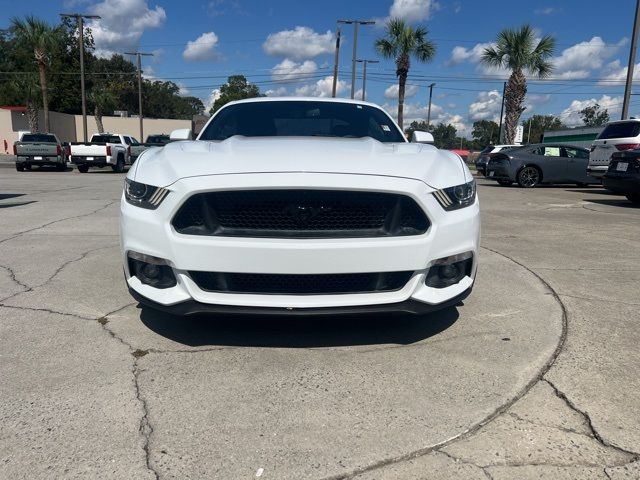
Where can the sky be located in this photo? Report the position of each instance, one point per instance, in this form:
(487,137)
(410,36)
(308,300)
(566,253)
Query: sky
(286,47)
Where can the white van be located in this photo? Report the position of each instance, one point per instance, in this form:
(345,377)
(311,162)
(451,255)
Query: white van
(616,136)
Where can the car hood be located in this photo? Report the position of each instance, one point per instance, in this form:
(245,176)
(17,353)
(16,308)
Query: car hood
(241,155)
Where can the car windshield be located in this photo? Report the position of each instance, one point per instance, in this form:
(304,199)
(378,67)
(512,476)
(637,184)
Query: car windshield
(620,130)
(302,119)
(159,139)
(38,137)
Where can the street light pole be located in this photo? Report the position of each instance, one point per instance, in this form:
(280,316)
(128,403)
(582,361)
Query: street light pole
(80,21)
(335,63)
(356,24)
(632,61)
(429,110)
(139,54)
(364,74)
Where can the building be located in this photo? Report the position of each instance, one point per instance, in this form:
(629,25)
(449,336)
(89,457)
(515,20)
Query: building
(580,136)
(68,128)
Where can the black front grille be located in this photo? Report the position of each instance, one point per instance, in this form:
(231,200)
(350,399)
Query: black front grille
(300,214)
(323,284)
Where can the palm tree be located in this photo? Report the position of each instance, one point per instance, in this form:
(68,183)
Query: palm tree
(401,42)
(27,90)
(102,100)
(518,51)
(39,36)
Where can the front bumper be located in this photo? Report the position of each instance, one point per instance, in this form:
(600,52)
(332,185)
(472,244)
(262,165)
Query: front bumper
(498,172)
(150,232)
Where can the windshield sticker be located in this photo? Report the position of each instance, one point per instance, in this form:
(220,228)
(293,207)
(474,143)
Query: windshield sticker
(385,128)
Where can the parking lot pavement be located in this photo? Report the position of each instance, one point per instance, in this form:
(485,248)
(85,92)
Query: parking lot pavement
(535,376)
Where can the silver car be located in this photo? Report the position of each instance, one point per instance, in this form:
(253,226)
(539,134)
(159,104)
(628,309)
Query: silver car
(541,163)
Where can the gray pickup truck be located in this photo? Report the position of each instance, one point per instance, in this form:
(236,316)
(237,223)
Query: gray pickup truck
(39,149)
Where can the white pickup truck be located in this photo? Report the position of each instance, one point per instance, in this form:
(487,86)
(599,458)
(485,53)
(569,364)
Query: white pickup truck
(103,149)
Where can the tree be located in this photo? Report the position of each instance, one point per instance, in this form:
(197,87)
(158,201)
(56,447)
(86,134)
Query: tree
(401,43)
(485,132)
(594,115)
(518,51)
(103,100)
(236,88)
(39,37)
(27,90)
(445,136)
(539,124)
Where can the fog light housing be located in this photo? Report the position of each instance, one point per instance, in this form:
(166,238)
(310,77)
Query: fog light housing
(448,271)
(152,271)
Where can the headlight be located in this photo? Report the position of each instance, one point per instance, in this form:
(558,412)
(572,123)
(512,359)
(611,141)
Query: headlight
(460,196)
(144,196)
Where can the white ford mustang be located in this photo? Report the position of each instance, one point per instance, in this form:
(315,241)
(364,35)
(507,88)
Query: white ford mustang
(299,206)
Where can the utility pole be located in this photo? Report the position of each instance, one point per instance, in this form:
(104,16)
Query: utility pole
(140,54)
(335,63)
(504,89)
(364,74)
(356,24)
(632,61)
(429,111)
(529,134)
(80,21)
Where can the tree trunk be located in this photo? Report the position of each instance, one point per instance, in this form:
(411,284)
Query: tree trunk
(45,98)
(513,103)
(98,114)
(402,81)
(32,116)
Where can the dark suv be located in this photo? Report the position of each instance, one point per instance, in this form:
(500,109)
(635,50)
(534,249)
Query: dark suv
(623,175)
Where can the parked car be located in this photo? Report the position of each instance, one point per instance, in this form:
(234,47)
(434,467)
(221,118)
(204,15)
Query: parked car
(135,147)
(39,149)
(541,163)
(623,175)
(616,137)
(485,155)
(159,140)
(299,206)
(103,149)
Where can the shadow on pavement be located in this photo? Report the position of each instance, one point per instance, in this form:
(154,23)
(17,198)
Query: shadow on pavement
(5,196)
(619,202)
(297,332)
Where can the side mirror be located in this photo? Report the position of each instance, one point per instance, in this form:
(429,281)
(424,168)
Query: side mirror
(181,134)
(421,137)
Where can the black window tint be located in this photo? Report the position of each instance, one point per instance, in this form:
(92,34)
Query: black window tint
(38,137)
(105,139)
(302,118)
(575,153)
(620,130)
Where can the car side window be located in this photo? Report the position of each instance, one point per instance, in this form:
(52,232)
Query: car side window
(127,140)
(134,141)
(574,153)
(538,151)
(551,151)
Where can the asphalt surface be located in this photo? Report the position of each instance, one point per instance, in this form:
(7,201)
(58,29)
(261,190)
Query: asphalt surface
(535,376)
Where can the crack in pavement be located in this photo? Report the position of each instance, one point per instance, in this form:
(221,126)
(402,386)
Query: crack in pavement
(47,310)
(498,411)
(465,462)
(57,271)
(561,395)
(14,279)
(556,427)
(598,299)
(59,220)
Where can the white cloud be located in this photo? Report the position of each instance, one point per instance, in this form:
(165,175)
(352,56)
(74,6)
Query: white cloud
(580,59)
(213,96)
(277,92)
(299,43)
(546,11)
(486,107)
(202,48)
(184,90)
(322,88)
(290,70)
(122,24)
(392,91)
(570,116)
(418,112)
(614,73)
(461,54)
(413,11)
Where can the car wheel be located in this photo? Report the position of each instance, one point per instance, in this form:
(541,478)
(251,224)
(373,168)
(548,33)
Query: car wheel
(529,177)
(634,198)
(19,167)
(83,168)
(119,166)
(505,183)
(27,166)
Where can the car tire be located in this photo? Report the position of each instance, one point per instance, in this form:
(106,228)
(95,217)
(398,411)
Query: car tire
(634,198)
(505,183)
(61,167)
(19,167)
(83,168)
(119,166)
(529,176)
(27,166)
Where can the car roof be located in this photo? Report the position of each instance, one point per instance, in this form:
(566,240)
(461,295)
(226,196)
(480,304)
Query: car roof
(303,99)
